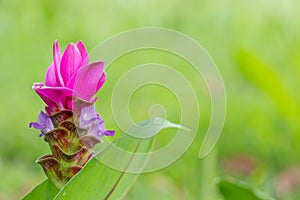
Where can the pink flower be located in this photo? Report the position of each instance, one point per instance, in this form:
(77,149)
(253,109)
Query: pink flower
(70,75)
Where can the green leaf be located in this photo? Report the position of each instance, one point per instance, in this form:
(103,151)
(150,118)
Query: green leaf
(233,189)
(107,175)
(265,77)
(45,190)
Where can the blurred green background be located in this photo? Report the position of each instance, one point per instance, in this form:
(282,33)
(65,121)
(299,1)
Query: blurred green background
(255,44)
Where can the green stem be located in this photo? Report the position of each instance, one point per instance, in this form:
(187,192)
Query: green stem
(208,167)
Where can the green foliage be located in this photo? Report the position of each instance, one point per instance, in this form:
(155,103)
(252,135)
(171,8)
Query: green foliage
(98,179)
(262,75)
(45,190)
(232,189)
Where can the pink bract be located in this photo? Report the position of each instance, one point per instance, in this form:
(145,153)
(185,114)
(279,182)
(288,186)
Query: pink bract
(70,75)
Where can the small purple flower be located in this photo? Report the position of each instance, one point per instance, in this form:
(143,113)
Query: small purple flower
(88,116)
(44,123)
(89,119)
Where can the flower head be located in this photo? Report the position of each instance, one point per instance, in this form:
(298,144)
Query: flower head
(70,75)
(71,126)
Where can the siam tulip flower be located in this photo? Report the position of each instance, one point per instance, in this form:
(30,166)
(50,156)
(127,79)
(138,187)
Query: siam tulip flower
(71,125)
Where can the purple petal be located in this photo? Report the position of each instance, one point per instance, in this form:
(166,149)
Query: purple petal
(36,125)
(42,119)
(50,79)
(70,62)
(109,133)
(88,80)
(83,52)
(89,119)
(56,61)
(97,130)
(49,125)
(88,116)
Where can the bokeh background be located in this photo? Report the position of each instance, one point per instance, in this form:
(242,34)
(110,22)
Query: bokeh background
(255,44)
